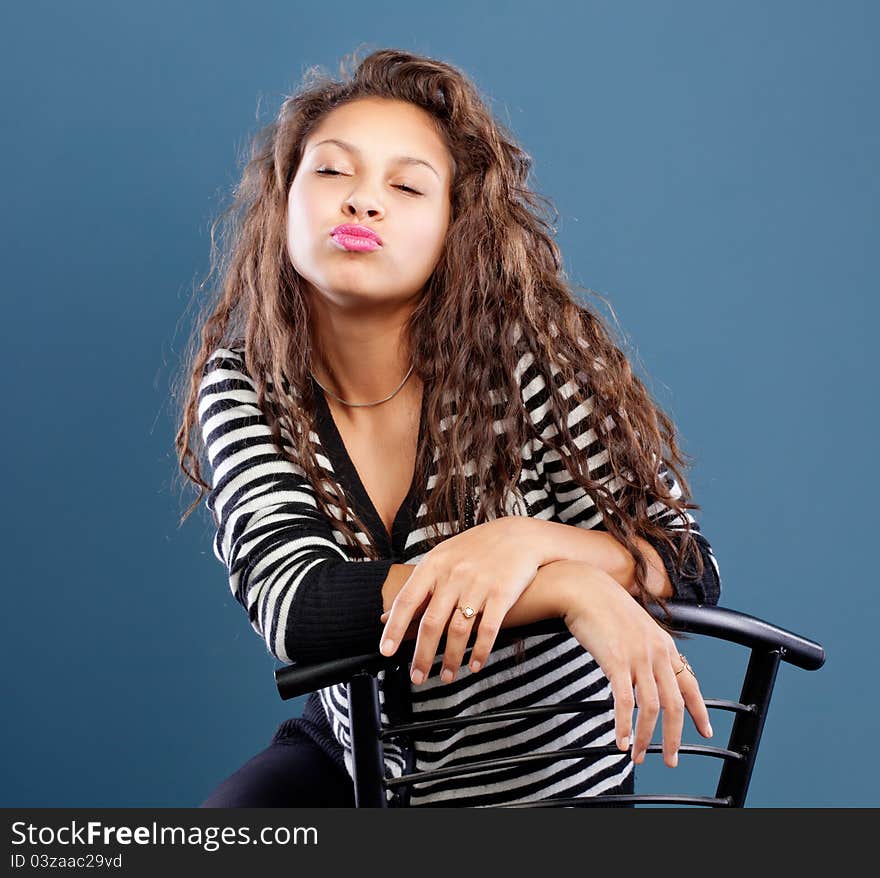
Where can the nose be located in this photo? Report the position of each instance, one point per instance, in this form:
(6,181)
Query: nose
(357,205)
(354,211)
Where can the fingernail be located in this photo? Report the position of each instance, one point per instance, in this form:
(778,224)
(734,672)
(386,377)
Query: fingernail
(446,676)
(624,742)
(475,665)
(387,646)
(710,731)
(417,676)
(674,760)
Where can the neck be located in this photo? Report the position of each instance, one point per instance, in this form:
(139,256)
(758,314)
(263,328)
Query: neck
(363,357)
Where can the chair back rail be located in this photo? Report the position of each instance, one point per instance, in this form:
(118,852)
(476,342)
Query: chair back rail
(769,645)
(299,679)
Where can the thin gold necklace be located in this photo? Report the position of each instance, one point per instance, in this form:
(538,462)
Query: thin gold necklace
(378,402)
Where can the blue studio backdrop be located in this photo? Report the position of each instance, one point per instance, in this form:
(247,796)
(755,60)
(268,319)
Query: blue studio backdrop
(715,170)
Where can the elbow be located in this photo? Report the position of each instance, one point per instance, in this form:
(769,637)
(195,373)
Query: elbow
(713,589)
(693,585)
(711,578)
(705,589)
(327,609)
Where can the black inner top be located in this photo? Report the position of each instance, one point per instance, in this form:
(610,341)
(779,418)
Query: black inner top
(392,545)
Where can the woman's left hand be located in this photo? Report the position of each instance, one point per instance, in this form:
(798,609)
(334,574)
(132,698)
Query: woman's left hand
(486,567)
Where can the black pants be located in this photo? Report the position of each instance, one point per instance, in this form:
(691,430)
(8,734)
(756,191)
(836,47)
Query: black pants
(292,772)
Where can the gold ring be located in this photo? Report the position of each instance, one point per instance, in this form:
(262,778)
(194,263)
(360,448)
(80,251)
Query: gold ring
(467,612)
(685,665)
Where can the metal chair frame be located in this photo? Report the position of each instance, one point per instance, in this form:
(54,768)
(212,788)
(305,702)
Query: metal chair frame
(768,645)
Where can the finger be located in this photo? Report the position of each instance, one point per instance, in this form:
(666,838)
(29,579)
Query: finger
(431,628)
(404,607)
(457,636)
(624,704)
(648,701)
(672,704)
(487,633)
(693,701)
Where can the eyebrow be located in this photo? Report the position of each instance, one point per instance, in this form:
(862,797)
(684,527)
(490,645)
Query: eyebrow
(404,159)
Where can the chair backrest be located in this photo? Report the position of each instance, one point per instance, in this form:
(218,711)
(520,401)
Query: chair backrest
(768,645)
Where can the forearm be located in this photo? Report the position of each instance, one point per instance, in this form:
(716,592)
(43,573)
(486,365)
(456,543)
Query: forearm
(543,598)
(567,542)
(546,596)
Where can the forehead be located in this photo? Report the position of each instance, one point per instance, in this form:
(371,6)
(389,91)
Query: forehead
(382,128)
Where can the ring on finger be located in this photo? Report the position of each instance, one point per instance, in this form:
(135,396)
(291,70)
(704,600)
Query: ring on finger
(685,665)
(468,612)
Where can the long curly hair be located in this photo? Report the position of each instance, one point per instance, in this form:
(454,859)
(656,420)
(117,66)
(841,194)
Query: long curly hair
(498,288)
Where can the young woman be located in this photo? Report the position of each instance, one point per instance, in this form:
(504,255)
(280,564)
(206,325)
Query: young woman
(410,420)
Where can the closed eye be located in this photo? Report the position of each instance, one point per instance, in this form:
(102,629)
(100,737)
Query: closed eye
(337,173)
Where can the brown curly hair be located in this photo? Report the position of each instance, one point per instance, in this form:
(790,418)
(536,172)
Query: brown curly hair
(497,289)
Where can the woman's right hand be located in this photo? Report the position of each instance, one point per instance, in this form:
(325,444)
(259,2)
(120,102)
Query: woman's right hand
(634,652)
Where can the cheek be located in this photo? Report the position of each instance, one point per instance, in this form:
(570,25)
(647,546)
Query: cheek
(420,248)
(300,227)
(432,237)
(303,218)
(298,204)
(428,230)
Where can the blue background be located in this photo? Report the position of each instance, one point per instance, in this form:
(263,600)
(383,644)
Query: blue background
(715,170)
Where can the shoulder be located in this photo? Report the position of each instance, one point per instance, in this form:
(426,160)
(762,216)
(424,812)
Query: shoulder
(225,369)
(536,372)
(527,373)
(225,358)
(225,387)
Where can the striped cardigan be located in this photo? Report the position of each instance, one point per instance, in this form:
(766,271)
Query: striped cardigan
(311,596)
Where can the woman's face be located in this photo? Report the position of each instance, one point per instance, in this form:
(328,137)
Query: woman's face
(374,186)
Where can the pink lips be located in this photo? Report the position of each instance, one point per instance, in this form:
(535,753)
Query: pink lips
(354,237)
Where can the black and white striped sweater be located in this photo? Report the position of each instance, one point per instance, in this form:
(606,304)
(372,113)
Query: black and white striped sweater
(311,596)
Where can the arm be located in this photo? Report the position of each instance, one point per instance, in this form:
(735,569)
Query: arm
(562,542)
(301,593)
(559,541)
(578,542)
(544,598)
(580,532)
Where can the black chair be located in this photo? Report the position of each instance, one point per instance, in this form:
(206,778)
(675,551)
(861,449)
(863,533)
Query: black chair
(768,645)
